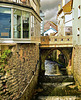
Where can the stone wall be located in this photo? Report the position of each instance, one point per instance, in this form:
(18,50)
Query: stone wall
(77,65)
(29,90)
(19,70)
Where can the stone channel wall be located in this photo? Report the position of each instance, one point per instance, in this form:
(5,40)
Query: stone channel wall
(20,72)
(77,65)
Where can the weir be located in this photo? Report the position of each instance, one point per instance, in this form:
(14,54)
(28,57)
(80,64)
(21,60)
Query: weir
(55,84)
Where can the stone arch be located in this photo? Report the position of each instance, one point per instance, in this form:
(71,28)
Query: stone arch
(67,52)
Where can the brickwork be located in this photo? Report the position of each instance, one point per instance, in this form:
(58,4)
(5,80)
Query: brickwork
(20,69)
(48,24)
(77,65)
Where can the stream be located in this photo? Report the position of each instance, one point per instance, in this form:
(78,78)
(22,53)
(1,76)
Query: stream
(56,84)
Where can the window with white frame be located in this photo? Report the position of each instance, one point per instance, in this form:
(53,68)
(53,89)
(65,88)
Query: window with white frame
(21,24)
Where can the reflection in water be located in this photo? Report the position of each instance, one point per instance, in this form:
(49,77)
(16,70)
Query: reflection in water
(52,68)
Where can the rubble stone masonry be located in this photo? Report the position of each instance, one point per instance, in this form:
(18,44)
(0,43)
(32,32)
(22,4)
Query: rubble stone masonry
(77,65)
(20,68)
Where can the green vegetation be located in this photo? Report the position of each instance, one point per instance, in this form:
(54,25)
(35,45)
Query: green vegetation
(4,55)
(68,80)
(65,91)
(3,60)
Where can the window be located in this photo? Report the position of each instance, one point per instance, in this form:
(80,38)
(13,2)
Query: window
(32,25)
(25,16)
(46,34)
(21,24)
(68,33)
(5,22)
(17,23)
(78,31)
(79,11)
(73,12)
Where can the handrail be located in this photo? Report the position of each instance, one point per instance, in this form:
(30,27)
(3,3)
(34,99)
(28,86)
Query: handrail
(34,73)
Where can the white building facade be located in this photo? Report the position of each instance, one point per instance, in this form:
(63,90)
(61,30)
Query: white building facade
(77,22)
(64,19)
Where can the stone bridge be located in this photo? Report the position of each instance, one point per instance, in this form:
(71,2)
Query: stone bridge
(65,45)
(62,43)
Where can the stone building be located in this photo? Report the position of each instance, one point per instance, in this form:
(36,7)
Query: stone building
(64,18)
(49,24)
(19,48)
(76,6)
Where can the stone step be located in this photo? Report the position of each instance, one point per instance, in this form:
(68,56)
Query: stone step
(54,79)
(58,98)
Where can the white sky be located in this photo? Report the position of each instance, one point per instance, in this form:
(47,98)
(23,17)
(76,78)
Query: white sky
(50,8)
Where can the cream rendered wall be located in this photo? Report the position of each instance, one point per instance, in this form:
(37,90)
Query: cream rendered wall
(61,25)
(35,5)
(68,19)
(76,22)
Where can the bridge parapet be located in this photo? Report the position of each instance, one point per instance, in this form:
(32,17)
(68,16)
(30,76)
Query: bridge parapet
(56,41)
(35,38)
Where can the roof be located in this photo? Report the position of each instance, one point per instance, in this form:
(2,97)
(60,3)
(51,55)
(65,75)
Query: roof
(52,29)
(53,23)
(67,7)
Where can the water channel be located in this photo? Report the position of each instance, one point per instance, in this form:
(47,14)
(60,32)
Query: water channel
(56,84)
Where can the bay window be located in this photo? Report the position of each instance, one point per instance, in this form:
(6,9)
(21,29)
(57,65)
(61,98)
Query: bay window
(21,24)
(32,25)
(25,18)
(5,22)
(17,23)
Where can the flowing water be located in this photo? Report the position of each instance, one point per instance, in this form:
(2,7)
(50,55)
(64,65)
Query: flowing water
(56,84)
(53,68)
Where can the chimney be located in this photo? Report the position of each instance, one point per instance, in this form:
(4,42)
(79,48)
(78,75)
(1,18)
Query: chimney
(63,3)
(59,7)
